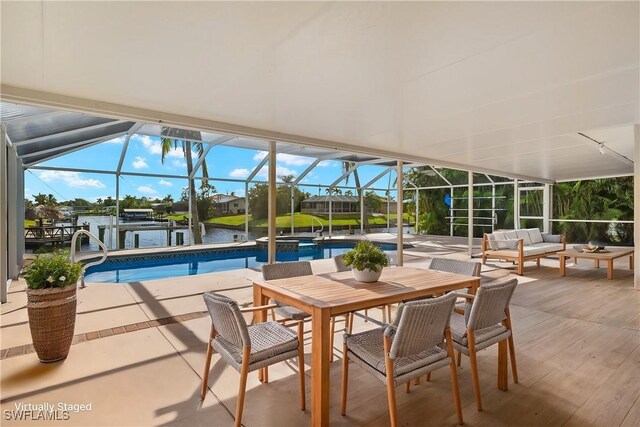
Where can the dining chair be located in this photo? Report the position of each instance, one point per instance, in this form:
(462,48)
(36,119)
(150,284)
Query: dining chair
(486,321)
(411,346)
(248,348)
(284,270)
(467,268)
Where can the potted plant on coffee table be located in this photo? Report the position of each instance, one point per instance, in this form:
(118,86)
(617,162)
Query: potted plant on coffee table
(51,304)
(366,260)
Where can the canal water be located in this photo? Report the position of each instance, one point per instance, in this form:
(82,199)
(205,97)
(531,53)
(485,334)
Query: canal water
(158,238)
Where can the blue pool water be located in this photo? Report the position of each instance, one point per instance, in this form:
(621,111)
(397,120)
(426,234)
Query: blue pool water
(164,265)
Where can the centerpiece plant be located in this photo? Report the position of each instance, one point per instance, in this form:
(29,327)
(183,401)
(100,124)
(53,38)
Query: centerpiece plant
(366,260)
(51,304)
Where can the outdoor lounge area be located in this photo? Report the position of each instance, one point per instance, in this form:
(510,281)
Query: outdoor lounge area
(358,214)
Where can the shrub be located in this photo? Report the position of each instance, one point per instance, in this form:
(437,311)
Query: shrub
(366,255)
(54,270)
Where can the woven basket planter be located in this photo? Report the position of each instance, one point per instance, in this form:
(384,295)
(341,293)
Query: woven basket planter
(52,320)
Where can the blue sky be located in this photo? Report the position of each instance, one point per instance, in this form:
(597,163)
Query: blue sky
(143,155)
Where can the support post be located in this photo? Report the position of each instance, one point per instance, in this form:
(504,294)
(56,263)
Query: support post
(636,207)
(20,217)
(246,210)
(3,214)
(117,213)
(271,256)
(493,208)
(415,227)
(361,212)
(12,214)
(330,213)
(190,184)
(451,214)
(399,212)
(293,210)
(516,205)
(547,207)
(470,213)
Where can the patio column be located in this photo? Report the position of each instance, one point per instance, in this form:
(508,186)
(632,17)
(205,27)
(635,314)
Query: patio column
(246,210)
(330,213)
(3,215)
(516,205)
(547,208)
(399,212)
(361,211)
(12,213)
(636,207)
(272,203)
(293,212)
(470,213)
(117,236)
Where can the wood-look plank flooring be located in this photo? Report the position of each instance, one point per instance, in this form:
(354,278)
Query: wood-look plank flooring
(578,347)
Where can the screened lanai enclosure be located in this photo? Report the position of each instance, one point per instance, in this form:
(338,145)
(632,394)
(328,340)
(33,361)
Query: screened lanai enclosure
(56,147)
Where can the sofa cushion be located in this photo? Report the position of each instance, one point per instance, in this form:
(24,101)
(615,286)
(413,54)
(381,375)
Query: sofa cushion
(533,250)
(498,235)
(552,238)
(511,234)
(535,235)
(524,235)
(550,247)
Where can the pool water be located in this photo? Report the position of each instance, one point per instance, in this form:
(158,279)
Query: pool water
(140,268)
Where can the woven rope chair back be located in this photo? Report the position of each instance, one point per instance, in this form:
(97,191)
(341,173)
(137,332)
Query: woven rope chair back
(227,319)
(467,268)
(339,261)
(490,303)
(419,325)
(283,270)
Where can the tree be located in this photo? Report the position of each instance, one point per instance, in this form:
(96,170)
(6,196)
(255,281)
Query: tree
(259,200)
(45,199)
(188,141)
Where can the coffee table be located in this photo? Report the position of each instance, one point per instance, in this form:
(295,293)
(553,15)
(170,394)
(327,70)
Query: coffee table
(609,256)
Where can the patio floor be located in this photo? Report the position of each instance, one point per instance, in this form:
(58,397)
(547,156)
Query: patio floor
(140,347)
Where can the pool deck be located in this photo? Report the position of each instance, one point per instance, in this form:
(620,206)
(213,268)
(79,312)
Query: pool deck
(139,352)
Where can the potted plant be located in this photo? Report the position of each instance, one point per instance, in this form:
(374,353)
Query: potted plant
(51,304)
(367,261)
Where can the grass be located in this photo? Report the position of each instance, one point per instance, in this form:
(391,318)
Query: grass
(304,220)
(29,222)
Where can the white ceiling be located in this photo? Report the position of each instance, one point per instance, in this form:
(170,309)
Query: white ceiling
(504,86)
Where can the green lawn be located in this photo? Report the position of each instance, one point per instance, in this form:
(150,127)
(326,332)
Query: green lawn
(29,222)
(303,220)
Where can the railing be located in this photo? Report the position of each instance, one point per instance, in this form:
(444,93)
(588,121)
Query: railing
(313,218)
(105,251)
(56,233)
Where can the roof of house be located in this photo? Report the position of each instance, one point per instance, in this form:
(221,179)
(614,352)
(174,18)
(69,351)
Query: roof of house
(336,198)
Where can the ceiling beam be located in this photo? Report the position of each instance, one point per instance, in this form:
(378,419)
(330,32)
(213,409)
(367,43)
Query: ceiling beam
(80,145)
(135,128)
(380,175)
(51,100)
(306,171)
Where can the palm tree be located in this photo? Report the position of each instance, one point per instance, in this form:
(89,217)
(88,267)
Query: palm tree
(45,199)
(188,141)
(347,166)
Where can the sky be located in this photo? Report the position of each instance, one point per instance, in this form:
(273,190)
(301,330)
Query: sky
(144,156)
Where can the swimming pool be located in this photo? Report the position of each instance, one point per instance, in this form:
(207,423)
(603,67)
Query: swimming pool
(135,268)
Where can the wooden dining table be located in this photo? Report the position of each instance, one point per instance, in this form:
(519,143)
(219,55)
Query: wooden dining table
(326,295)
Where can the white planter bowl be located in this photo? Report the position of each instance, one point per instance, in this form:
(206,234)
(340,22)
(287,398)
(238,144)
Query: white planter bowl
(367,275)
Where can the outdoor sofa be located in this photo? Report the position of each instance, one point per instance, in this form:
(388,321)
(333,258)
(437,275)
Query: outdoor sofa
(521,245)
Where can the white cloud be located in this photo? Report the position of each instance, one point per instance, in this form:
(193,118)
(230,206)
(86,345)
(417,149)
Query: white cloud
(280,171)
(240,173)
(179,163)
(165,183)
(146,189)
(72,179)
(153,146)
(118,140)
(140,163)
(260,155)
(331,163)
